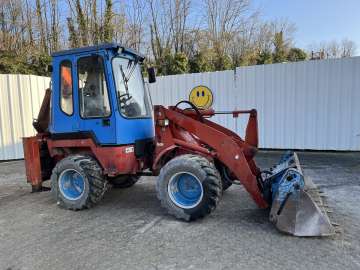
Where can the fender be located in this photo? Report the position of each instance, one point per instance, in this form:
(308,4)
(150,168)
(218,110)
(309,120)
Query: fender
(160,155)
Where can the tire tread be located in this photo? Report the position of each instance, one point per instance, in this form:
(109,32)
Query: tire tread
(98,185)
(212,183)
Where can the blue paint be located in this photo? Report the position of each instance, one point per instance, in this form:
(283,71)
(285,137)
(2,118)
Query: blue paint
(71,185)
(185,190)
(289,182)
(285,177)
(120,130)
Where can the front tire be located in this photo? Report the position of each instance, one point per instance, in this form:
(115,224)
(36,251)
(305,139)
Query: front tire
(225,178)
(189,187)
(77,182)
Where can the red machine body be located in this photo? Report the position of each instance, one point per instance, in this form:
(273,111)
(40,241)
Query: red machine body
(114,160)
(184,131)
(177,132)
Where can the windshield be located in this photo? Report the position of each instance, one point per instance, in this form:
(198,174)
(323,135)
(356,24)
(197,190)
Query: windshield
(130,89)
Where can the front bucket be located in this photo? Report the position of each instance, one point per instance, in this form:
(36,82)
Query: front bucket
(297,207)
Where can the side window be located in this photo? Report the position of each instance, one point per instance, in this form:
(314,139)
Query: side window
(94,99)
(66,88)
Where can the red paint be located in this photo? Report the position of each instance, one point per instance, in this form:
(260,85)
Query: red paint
(177,132)
(32,160)
(211,140)
(114,160)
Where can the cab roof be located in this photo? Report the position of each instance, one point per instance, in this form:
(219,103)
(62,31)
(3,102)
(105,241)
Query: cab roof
(104,46)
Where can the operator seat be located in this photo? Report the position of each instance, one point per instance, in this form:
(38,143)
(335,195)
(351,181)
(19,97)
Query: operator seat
(92,97)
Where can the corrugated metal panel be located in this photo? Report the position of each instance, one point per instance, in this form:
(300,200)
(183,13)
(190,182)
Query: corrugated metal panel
(305,105)
(169,90)
(20,100)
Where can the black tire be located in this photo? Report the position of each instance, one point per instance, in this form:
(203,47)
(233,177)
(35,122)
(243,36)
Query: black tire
(124,181)
(95,183)
(225,178)
(205,172)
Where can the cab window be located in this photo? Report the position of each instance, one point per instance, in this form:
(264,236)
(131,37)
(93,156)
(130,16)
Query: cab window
(93,92)
(66,88)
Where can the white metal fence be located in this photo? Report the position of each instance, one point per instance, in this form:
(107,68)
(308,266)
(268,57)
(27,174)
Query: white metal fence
(306,105)
(20,101)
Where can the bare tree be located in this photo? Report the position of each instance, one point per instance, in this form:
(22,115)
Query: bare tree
(135,21)
(108,27)
(286,27)
(225,20)
(348,48)
(160,33)
(41,25)
(211,34)
(54,11)
(29,23)
(178,11)
(334,49)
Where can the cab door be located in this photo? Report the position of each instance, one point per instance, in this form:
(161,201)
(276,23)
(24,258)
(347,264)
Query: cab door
(97,117)
(64,112)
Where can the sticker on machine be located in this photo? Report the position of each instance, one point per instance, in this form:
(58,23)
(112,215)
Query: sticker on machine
(201,96)
(129,149)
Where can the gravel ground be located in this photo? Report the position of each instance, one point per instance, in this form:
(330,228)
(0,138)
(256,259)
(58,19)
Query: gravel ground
(129,230)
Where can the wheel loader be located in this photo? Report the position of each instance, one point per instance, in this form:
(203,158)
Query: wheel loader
(97,129)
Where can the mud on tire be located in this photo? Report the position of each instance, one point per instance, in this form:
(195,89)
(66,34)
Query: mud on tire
(205,173)
(94,183)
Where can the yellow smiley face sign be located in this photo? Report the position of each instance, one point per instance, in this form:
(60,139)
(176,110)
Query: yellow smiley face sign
(201,96)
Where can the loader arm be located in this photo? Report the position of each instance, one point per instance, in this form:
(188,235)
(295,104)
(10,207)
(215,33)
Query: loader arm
(212,141)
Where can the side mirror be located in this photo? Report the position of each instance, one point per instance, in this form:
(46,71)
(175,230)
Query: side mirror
(50,68)
(151,74)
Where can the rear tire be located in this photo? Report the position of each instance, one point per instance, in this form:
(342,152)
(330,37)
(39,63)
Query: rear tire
(77,182)
(124,181)
(189,187)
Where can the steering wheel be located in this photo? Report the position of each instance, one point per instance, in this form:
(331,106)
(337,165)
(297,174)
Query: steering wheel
(199,116)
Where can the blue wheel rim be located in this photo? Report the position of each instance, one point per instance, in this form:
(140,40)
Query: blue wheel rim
(71,184)
(185,190)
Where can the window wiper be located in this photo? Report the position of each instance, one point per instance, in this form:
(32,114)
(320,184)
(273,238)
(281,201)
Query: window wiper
(124,79)
(132,69)
(127,78)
